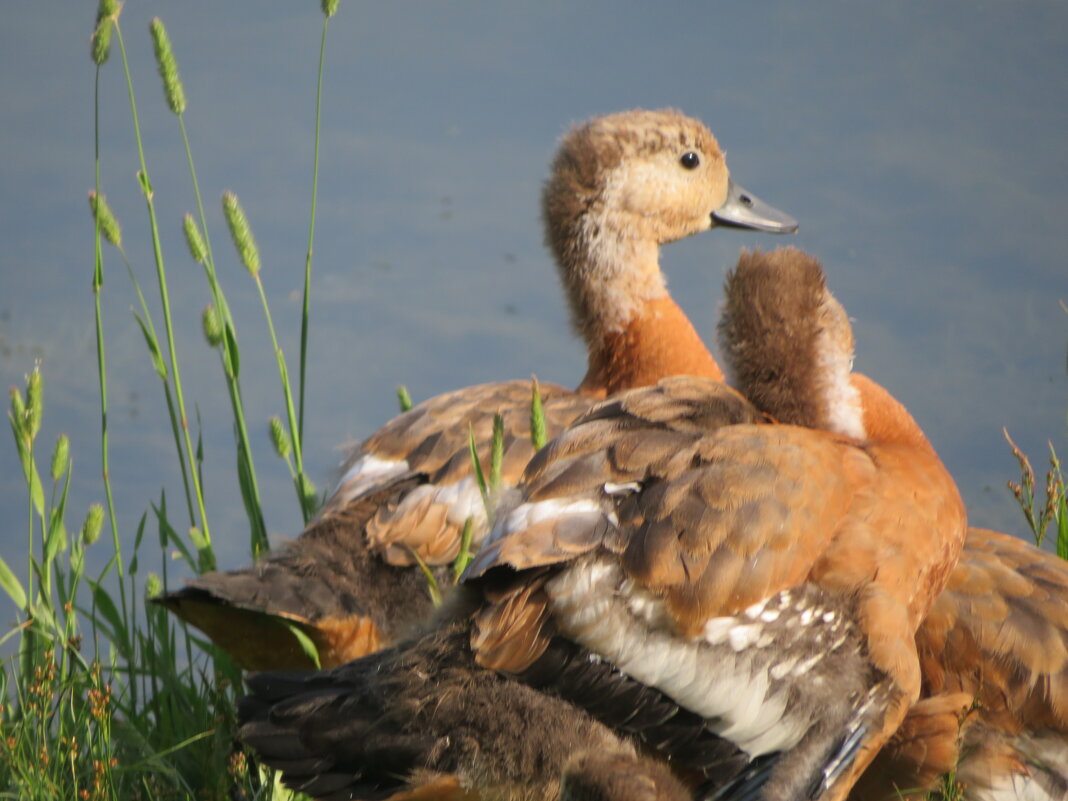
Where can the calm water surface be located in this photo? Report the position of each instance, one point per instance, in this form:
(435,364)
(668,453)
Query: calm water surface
(923,147)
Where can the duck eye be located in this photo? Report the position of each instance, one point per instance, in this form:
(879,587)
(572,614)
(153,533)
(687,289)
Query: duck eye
(690,160)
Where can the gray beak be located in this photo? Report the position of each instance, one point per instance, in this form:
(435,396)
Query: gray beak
(742,209)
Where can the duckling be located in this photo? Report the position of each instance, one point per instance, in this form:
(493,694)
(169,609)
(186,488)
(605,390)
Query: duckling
(993,648)
(621,185)
(735,596)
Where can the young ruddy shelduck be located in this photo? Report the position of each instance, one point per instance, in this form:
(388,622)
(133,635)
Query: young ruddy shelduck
(739,596)
(994,646)
(620,186)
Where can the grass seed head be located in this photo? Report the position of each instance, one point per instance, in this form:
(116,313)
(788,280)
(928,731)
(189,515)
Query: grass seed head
(94,522)
(18,411)
(105,219)
(60,457)
(241,233)
(212,325)
(168,67)
(153,585)
(34,402)
(107,14)
(280,438)
(194,240)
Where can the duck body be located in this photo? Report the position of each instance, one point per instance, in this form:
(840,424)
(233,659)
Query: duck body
(620,186)
(993,710)
(767,578)
(734,596)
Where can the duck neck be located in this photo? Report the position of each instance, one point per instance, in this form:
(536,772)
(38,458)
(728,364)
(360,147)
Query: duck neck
(658,341)
(635,333)
(885,419)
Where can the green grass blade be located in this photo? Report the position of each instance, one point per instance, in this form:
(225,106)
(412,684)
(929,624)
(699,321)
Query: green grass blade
(105,606)
(431,581)
(11,584)
(464,557)
(153,348)
(496,456)
(304,641)
(477,465)
(537,416)
(306,304)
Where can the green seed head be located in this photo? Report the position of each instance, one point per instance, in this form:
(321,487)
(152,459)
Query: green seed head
(280,438)
(18,410)
(241,233)
(34,402)
(212,325)
(194,240)
(94,522)
(153,585)
(107,13)
(60,457)
(168,67)
(105,220)
(330,7)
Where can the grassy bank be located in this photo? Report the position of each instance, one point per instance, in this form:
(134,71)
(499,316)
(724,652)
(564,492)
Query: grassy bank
(105,697)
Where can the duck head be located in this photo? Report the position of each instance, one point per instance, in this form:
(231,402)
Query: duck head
(620,186)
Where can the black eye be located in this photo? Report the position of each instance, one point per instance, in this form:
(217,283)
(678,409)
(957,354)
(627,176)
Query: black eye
(690,160)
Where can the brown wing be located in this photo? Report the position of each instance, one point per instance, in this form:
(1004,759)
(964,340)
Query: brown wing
(1000,631)
(348,582)
(431,440)
(572,487)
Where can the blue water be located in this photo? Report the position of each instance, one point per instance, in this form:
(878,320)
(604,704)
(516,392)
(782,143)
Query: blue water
(923,147)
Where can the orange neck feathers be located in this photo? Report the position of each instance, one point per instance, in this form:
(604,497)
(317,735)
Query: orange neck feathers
(885,418)
(659,341)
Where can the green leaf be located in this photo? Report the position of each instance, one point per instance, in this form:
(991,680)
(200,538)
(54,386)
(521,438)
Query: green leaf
(146,185)
(56,536)
(431,582)
(12,586)
(106,607)
(403,398)
(56,540)
(153,348)
(464,557)
(305,642)
(232,359)
(537,416)
(36,490)
(309,496)
(45,619)
(167,534)
(496,455)
(479,477)
(132,568)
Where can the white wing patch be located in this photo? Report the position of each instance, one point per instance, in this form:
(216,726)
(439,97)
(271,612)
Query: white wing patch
(366,473)
(625,625)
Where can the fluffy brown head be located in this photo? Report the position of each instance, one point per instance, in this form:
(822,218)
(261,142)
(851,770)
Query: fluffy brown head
(788,342)
(620,186)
